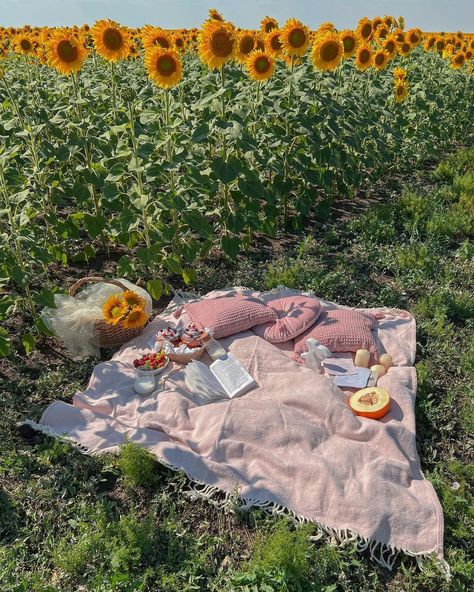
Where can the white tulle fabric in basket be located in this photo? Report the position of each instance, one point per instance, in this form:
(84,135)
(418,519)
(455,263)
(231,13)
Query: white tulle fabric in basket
(74,316)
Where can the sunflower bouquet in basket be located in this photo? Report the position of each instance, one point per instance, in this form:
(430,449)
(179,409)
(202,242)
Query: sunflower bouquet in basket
(125,310)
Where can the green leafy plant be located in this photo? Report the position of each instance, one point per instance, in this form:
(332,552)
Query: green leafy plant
(138,465)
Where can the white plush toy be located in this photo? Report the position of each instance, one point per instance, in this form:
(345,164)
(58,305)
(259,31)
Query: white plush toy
(316,353)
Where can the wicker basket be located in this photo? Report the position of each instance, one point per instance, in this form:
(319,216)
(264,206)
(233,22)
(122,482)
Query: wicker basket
(185,358)
(109,335)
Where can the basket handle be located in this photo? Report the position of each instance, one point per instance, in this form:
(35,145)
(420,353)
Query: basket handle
(93,279)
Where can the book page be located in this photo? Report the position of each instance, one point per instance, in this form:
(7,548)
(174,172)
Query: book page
(356,380)
(232,375)
(201,381)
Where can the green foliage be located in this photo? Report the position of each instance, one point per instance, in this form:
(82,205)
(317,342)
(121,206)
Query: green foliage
(167,178)
(138,465)
(458,163)
(67,523)
(282,561)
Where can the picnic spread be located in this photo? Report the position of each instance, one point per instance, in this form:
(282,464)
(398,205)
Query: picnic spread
(303,406)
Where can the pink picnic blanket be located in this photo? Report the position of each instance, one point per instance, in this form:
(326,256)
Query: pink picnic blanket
(292,444)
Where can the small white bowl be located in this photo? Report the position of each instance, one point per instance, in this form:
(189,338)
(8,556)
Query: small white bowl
(153,372)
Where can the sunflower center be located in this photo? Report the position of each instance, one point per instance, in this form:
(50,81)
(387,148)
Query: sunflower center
(406,47)
(275,43)
(349,43)
(382,32)
(166,65)
(262,64)
(246,44)
(459,59)
(364,56)
(366,30)
(297,38)
(390,46)
(116,311)
(66,51)
(440,45)
(269,26)
(134,315)
(379,59)
(112,39)
(25,45)
(162,42)
(413,38)
(400,89)
(221,43)
(179,42)
(329,51)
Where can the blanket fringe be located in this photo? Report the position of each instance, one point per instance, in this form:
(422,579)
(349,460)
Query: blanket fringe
(233,502)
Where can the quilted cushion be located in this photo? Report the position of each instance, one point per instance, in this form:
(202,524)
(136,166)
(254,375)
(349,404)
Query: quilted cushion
(230,314)
(295,315)
(341,330)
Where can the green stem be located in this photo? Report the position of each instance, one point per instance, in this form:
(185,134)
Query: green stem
(146,228)
(16,240)
(169,142)
(114,100)
(88,157)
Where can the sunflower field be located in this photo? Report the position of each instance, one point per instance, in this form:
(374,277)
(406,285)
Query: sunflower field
(155,148)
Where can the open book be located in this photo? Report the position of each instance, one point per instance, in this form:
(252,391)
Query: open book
(343,372)
(226,377)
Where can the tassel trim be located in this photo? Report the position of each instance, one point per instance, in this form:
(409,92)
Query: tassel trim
(232,502)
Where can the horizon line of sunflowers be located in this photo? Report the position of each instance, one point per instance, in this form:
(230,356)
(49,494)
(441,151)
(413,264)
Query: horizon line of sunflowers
(372,45)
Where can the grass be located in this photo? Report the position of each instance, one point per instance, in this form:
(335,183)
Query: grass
(70,522)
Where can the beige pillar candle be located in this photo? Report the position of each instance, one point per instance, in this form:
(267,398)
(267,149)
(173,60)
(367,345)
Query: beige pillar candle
(386,361)
(378,369)
(362,358)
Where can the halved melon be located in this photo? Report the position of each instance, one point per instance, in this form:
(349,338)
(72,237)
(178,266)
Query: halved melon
(373,402)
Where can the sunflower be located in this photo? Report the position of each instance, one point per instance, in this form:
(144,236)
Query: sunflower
(400,35)
(295,38)
(377,21)
(180,42)
(135,319)
(245,45)
(156,37)
(390,45)
(215,15)
(364,29)
(405,48)
(268,24)
(382,32)
(259,41)
(430,42)
(260,65)
(349,42)
(217,44)
(458,60)
(273,45)
(401,91)
(111,41)
(325,28)
(65,52)
(163,66)
(399,74)
(132,299)
(24,44)
(413,36)
(327,52)
(381,59)
(364,57)
(114,309)
(389,21)
(440,43)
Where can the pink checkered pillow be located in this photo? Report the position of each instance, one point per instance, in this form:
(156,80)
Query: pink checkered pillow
(341,330)
(230,314)
(295,315)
